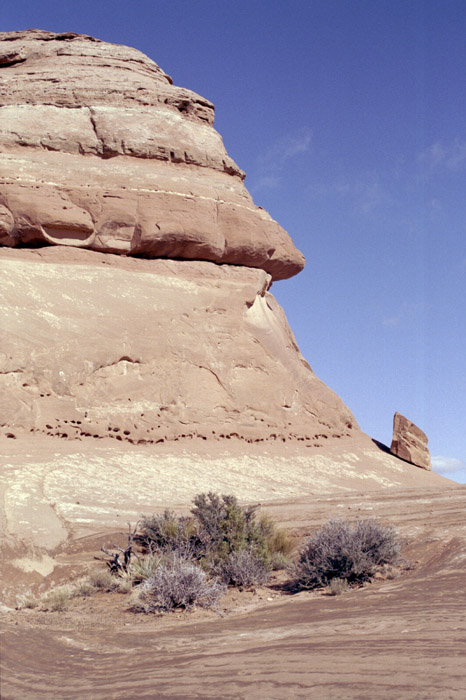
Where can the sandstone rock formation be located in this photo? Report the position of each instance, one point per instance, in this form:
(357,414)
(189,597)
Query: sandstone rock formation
(102,158)
(152,350)
(100,150)
(137,368)
(409,442)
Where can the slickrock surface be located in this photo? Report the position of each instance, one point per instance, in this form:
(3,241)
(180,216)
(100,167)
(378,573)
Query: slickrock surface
(151,351)
(410,442)
(98,149)
(401,638)
(56,493)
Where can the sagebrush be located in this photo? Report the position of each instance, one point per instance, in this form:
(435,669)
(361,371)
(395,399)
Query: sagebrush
(245,568)
(217,529)
(190,560)
(345,551)
(177,583)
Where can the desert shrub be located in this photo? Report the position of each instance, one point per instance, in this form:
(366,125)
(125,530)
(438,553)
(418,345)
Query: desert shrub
(337,586)
(57,600)
(177,583)
(27,601)
(345,551)
(168,532)
(278,539)
(125,583)
(379,542)
(218,527)
(103,580)
(279,561)
(245,568)
(223,526)
(143,568)
(83,588)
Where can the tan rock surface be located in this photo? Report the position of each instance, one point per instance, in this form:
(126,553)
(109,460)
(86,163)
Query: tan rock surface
(410,442)
(399,638)
(129,385)
(56,492)
(153,350)
(98,149)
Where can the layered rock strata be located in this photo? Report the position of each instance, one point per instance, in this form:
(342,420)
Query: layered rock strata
(99,150)
(103,161)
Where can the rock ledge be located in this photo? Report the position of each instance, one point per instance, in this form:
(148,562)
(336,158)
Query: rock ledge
(99,150)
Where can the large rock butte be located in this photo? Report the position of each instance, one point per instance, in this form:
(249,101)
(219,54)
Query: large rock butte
(104,162)
(106,172)
(100,150)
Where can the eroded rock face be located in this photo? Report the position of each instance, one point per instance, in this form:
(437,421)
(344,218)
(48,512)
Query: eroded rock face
(98,149)
(151,351)
(101,155)
(409,442)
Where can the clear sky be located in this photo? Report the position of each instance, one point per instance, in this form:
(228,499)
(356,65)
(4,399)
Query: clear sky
(349,118)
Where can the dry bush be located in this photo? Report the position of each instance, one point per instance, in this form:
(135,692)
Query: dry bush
(279,561)
(83,588)
(345,551)
(337,586)
(177,583)
(218,527)
(103,580)
(27,601)
(58,599)
(244,568)
(144,567)
(168,532)
(278,539)
(125,582)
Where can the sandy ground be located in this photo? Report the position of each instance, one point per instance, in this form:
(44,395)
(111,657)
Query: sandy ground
(400,639)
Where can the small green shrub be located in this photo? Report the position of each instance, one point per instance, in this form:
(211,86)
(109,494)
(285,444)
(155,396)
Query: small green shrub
(340,550)
(222,525)
(177,583)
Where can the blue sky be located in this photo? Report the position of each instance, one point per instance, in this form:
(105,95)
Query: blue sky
(349,118)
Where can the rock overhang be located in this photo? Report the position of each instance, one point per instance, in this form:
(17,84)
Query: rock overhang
(100,150)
